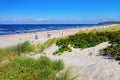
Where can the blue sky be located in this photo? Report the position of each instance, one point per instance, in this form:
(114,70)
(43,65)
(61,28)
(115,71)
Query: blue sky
(58,11)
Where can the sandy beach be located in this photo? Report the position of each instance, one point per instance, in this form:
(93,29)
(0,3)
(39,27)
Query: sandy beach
(13,39)
(86,63)
(59,39)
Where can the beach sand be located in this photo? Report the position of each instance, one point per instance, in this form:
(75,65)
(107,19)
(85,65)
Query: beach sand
(9,40)
(85,62)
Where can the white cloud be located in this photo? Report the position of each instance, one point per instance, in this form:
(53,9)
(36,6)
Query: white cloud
(43,19)
(106,18)
(24,19)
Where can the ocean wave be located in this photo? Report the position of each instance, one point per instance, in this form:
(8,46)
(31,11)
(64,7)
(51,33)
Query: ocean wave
(2,29)
(16,29)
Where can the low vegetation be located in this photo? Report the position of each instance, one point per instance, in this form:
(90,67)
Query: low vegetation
(48,43)
(81,40)
(24,48)
(91,39)
(17,50)
(31,69)
(112,51)
(67,75)
(15,67)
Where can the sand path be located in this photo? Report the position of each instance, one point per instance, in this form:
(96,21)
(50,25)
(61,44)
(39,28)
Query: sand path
(87,64)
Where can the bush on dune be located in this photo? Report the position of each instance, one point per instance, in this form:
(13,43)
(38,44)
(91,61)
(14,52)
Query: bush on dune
(91,39)
(20,68)
(113,50)
(58,65)
(82,40)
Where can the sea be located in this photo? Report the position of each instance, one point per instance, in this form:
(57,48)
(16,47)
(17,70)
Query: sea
(7,29)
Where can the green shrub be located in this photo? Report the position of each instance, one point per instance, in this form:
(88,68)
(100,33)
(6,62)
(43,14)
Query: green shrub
(86,40)
(31,69)
(43,62)
(46,74)
(55,53)
(112,51)
(82,40)
(58,65)
(17,69)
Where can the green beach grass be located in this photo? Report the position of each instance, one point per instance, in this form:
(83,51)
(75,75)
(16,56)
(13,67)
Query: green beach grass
(110,29)
(24,48)
(48,43)
(34,69)
(89,39)
(13,51)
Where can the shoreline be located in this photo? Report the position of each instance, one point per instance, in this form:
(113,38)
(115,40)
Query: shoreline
(13,39)
(83,28)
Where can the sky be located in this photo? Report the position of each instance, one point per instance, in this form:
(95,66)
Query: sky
(58,11)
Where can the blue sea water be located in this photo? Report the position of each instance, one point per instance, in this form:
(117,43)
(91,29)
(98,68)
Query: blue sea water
(6,29)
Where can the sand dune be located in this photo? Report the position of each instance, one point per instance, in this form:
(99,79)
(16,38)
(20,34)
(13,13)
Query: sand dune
(87,64)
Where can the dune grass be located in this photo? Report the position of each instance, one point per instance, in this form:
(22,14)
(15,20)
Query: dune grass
(109,29)
(6,53)
(48,43)
(58,65)
(22,68)
(21,48)
(24,48)
(33,69)
(67,74)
